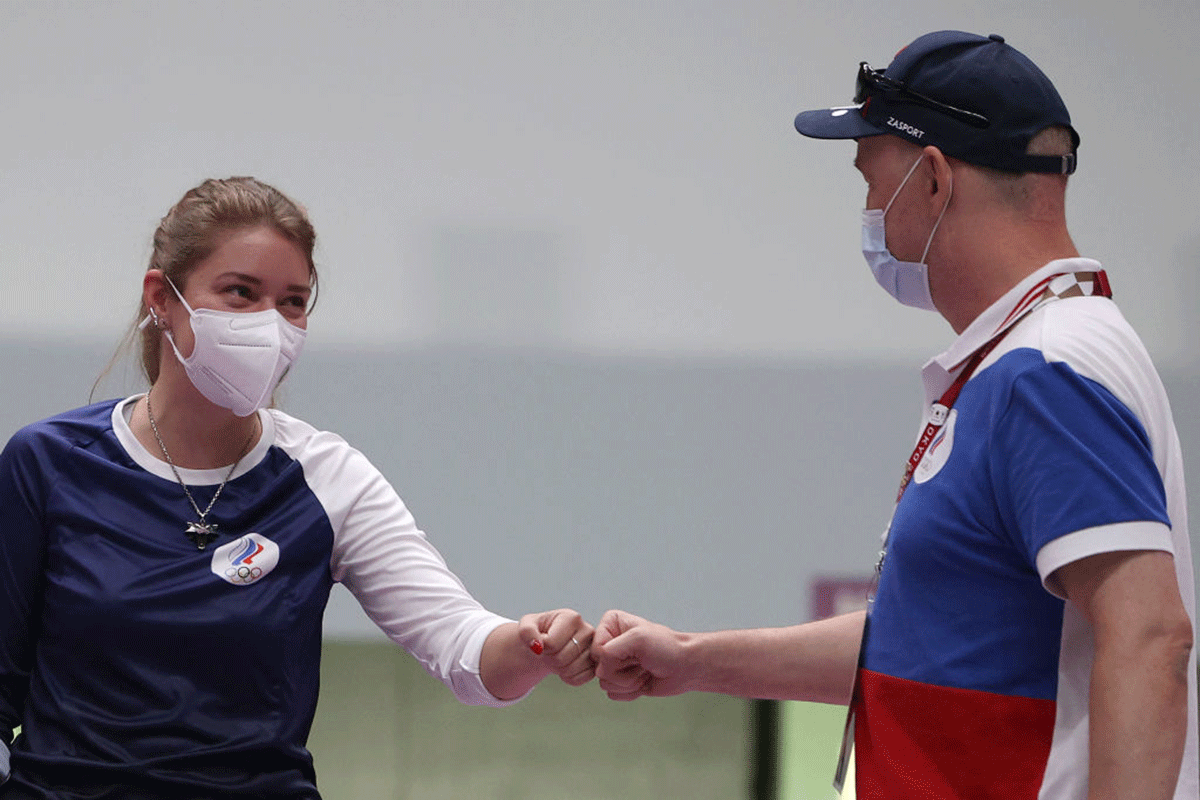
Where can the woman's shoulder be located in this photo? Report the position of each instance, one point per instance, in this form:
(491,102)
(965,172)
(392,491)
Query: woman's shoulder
(292,432)
(71,428)
(339,474)
(314,446)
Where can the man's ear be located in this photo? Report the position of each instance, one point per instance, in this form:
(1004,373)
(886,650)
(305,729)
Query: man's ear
(939,176)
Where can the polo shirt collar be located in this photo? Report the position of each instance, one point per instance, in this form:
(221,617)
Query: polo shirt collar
(939,372)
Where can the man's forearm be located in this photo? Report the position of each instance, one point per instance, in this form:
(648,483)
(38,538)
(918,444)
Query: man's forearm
(815,661)
(1139,713)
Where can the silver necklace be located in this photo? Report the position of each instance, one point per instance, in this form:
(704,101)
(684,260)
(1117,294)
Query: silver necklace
(201,532)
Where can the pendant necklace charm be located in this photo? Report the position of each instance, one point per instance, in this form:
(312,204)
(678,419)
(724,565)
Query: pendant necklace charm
(201,532)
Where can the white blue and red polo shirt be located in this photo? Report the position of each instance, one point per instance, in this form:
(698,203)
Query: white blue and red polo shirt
(975,674)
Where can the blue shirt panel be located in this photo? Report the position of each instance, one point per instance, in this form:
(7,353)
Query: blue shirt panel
(144,662)
(1038,452)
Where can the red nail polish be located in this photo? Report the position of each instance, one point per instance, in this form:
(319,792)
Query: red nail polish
(537,647)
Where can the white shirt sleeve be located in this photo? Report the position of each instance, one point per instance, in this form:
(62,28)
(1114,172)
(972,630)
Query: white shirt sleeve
(391,568)
(1092,541)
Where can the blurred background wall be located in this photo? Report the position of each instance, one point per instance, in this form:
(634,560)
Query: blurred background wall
(587,298)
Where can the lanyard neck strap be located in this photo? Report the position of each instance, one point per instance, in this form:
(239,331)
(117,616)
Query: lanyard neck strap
(1077,284)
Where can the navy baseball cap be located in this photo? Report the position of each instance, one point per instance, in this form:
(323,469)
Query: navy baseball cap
(974,97)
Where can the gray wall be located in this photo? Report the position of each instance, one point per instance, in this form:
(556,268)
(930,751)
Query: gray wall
(608,177)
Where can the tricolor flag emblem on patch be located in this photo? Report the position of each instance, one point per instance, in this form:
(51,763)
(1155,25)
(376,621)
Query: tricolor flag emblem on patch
(245,560)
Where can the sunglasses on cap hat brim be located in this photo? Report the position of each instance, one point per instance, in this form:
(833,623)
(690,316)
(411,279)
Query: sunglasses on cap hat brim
(870,83)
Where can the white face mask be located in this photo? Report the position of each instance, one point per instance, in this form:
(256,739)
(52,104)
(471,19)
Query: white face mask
(238,357)
(907,281)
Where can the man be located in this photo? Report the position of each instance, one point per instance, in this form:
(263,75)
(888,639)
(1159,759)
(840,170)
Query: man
(1031,634)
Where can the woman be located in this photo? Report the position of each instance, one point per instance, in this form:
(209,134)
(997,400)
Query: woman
(165,560)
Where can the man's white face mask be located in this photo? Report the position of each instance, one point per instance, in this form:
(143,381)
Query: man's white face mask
(907,281)
(238,357)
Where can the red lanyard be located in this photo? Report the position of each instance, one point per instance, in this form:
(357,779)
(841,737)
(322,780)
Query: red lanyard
(1039,294)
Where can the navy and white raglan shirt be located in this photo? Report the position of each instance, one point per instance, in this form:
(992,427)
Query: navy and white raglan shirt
(132,659)
(975,675)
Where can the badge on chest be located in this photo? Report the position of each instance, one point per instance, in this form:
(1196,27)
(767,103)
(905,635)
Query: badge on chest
(246,560)
(938,452)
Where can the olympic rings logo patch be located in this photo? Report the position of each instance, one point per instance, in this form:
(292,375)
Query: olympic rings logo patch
(243,574)
(245,560)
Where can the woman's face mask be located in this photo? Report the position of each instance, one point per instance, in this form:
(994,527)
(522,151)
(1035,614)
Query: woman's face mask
(238,357)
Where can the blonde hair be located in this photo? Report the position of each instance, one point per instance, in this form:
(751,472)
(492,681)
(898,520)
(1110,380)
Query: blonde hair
(191,231)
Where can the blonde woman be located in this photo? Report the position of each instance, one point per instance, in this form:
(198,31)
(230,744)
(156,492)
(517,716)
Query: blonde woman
(167,558)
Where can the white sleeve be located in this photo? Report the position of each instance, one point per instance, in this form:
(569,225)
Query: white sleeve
(388,564)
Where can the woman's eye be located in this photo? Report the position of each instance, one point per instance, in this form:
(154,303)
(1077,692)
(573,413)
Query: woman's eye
(296,304)
(240,291)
